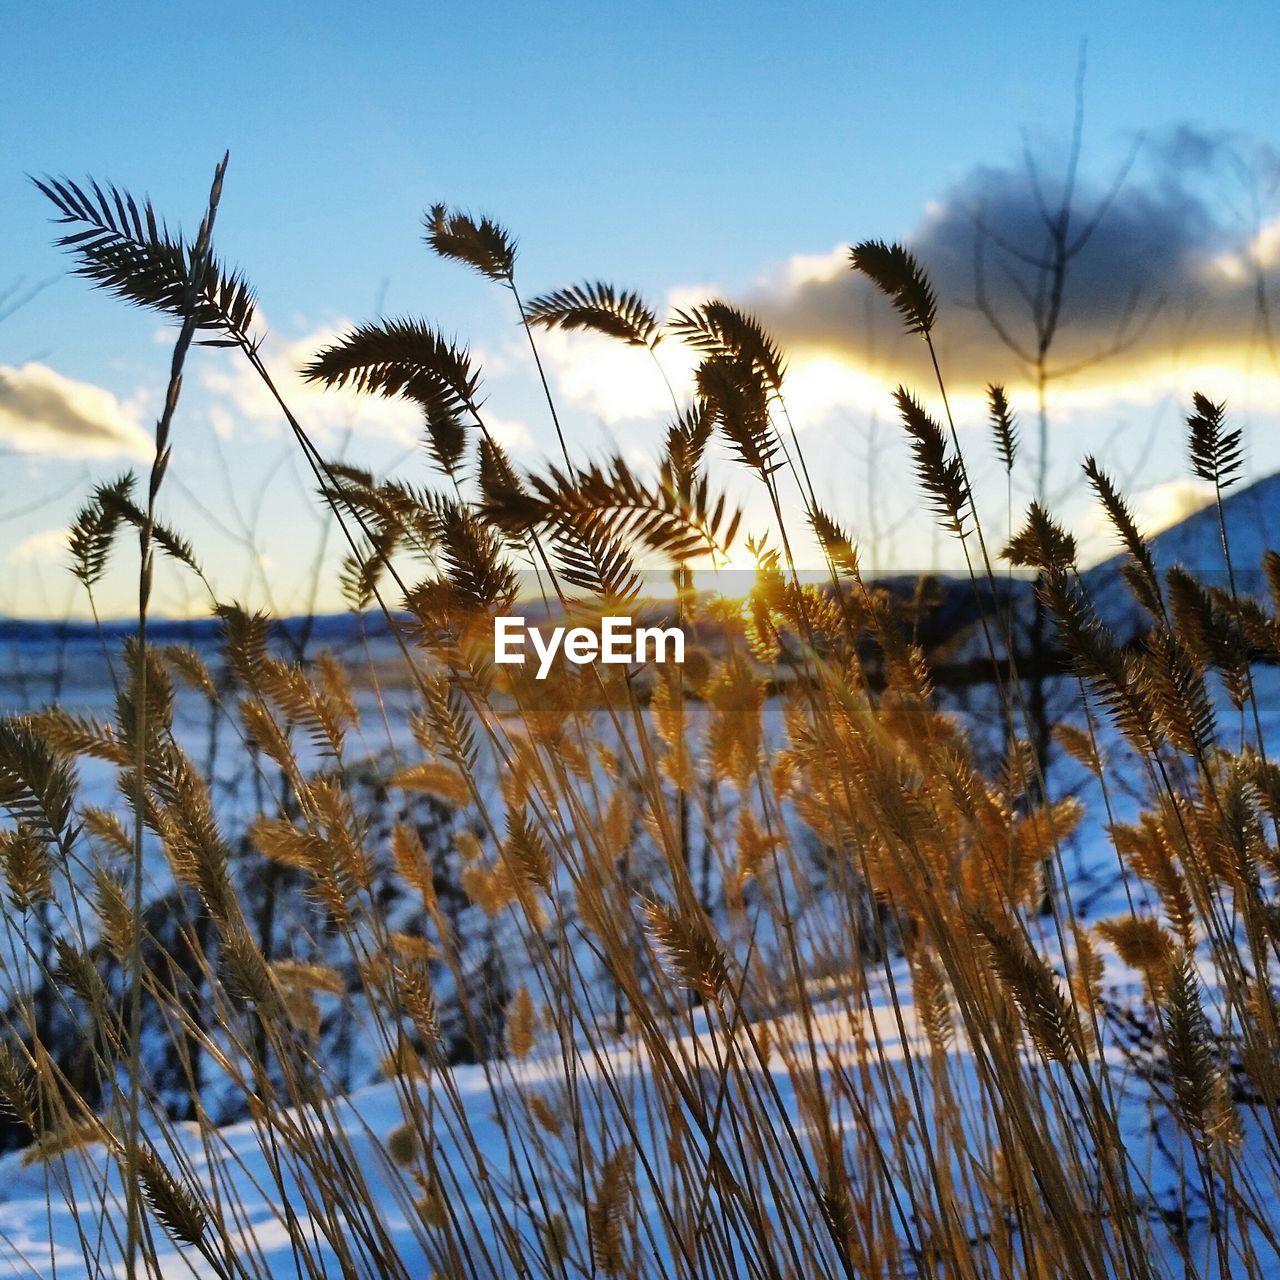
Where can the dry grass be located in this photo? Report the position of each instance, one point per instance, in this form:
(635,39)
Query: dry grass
(912,1073)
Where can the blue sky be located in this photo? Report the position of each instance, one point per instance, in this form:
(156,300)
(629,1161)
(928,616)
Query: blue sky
(665,147)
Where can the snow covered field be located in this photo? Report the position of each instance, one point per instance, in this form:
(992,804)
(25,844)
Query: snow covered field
(40,1236)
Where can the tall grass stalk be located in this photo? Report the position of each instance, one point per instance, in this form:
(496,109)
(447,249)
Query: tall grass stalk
(845,1045)
(198,268)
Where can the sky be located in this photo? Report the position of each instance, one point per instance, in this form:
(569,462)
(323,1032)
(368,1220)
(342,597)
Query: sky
(686,151)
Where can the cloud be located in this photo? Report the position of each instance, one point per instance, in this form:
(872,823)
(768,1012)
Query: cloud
(42,546)
(510,433)
(242,396)
(1163,289)
(614,382)
(617,383)
(1164,505)
(1161,297)
(238,397)
(45,413)
(1156,508)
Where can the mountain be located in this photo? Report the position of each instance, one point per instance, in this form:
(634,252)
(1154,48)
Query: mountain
(1252,519)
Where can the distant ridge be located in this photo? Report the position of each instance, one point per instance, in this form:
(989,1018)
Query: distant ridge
(326,627)
(1252,516)
(1252,519)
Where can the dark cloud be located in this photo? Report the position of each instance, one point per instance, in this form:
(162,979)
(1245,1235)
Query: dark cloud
(43,412)
(1165,271)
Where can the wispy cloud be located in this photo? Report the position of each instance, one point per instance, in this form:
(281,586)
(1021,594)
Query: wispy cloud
(1155,508)
(43,412)
(510,433)
(615,383)
(42,547)
(241,397)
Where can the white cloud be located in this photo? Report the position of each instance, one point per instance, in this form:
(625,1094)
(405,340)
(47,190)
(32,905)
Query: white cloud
(1155,509)
(497,363)
(614,382)
(242,396)
(43,412)
(1163,505)
(807,268)
(1262,253)
(42,546)
(510,433)
(610,380)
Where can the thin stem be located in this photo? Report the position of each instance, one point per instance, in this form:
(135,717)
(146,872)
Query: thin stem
(542,376)
(199,265)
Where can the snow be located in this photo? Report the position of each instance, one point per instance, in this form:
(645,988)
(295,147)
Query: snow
(1252,519)
(41,1236)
